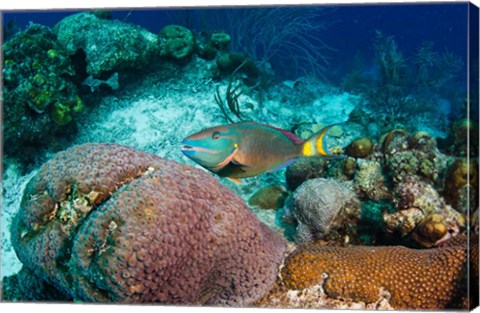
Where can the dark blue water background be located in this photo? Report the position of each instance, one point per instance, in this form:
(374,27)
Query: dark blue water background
(351,28)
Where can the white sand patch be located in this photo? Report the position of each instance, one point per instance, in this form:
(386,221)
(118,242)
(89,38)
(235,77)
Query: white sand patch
(334,108)
(13,185)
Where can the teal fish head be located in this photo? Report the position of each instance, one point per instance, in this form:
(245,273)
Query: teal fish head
(212,148)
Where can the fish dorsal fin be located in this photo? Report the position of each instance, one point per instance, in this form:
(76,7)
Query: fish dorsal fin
(294,138)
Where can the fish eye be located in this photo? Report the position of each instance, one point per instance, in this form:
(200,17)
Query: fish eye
(215,135)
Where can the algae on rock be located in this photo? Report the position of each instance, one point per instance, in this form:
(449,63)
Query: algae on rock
(109,45)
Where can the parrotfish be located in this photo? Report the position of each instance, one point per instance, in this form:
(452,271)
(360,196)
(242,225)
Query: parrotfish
(248,149)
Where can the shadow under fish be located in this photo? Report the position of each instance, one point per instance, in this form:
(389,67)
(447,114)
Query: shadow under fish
(248,149)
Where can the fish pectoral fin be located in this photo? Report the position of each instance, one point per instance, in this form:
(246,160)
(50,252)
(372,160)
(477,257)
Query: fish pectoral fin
(225,162)
(235,180)
(233,162)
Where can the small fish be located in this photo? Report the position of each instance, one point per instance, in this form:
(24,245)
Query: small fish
(248,149)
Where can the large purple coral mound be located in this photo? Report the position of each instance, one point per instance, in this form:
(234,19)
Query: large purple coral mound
(103,222)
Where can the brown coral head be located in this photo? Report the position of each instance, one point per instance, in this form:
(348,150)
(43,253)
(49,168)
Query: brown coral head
(402,222)
(422,141)
(349,167)
(107,223)
(394,141)
(461,173)
(433,230)
(360,148)
(269,197)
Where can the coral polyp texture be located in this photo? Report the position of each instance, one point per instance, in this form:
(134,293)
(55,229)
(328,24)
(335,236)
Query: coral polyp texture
(107,223)
(407,278)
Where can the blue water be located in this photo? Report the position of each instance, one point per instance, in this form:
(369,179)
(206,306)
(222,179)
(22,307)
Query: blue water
(350,28)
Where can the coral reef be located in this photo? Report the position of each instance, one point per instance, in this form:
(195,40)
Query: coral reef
(26,286)
(422,141)
(106,223)
(460,134)
(419,205)
(39,93)
(229,62)
(304,169)
(315,297)
(360,148)
(433,229)
(474,259)
(407,155)
(461,185)
(349,167)
(324,208)
(176,42)
(208,47)
(220,40)
(109,45)
(394,141)
(407,278)
(369,182)
(269,197)
(359,116)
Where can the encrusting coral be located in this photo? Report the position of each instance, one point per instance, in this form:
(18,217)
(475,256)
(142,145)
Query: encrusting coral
(40,96)
(106,223)
(407,278)
(369,181)
(418,203)
(408,155)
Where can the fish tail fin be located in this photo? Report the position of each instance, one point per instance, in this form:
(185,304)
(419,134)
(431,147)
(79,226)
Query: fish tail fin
(316,145)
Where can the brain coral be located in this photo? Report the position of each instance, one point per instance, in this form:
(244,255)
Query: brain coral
(324,207)
(411,279)
(103,222)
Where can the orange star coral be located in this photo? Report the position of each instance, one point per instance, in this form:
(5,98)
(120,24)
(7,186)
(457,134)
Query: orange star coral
(412,279)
